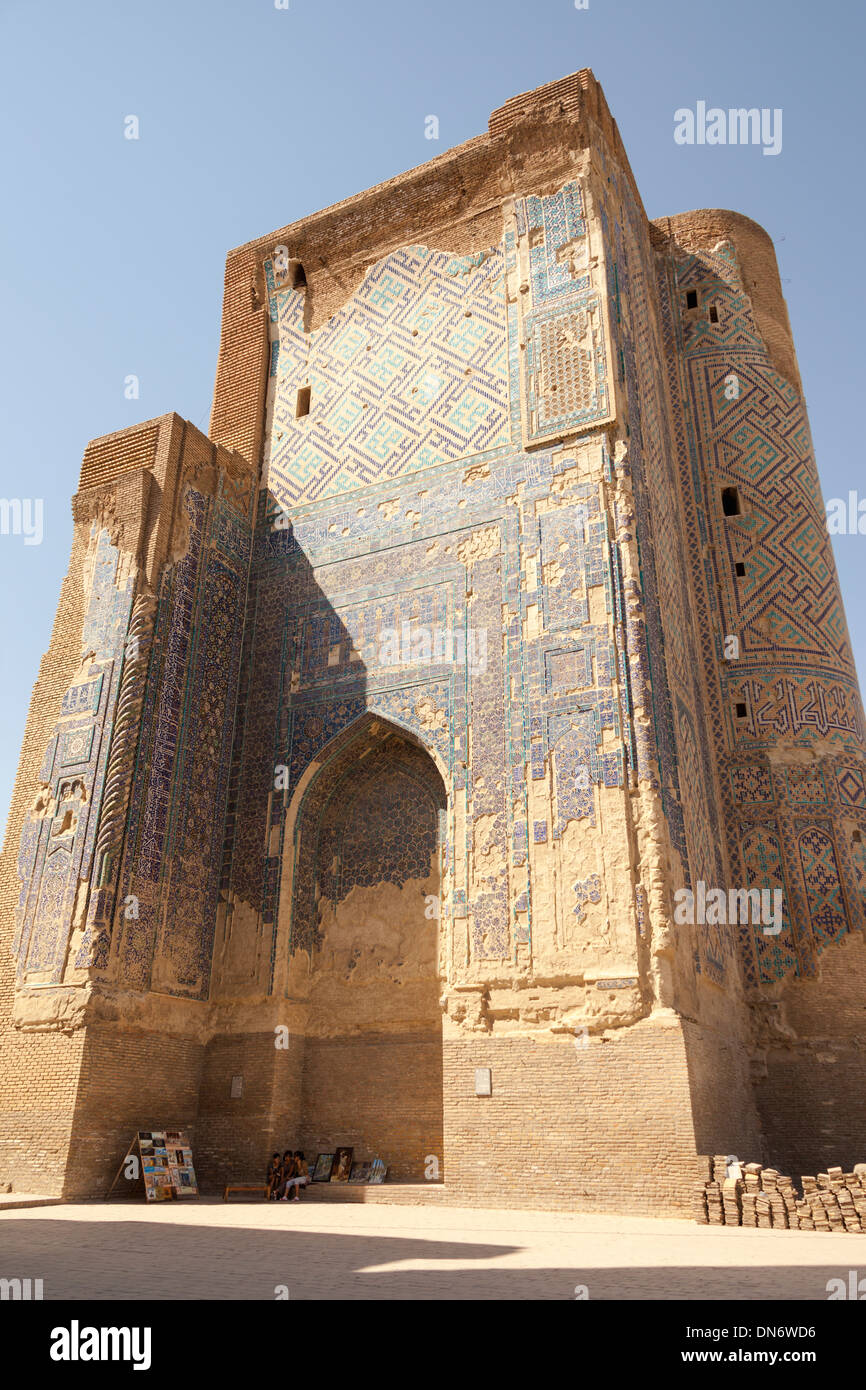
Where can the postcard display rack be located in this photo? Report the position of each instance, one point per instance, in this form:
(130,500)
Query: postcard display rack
(164,1163)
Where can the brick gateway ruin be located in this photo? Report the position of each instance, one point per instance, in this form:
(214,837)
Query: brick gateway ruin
(393,714)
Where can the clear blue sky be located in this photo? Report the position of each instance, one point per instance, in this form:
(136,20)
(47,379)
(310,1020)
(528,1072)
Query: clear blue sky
(113,250)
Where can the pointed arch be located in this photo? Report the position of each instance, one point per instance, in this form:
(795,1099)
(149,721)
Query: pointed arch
(370,749)
(362,945)
(351,744)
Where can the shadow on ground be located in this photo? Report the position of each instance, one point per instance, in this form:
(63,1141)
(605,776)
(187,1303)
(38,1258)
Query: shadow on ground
(154,1259)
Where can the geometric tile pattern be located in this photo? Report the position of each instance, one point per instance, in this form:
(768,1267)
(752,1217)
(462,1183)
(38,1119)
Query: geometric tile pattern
(565,374)
(176,819)
(327,618)
(851,785)
(388,832)
(423,342)
(805,786)
(786,606)
(751,783)
(823,885)
(793,681)
(58,838)
(658,616)
(323,590)
(813,901)
(75,745)
(765,956)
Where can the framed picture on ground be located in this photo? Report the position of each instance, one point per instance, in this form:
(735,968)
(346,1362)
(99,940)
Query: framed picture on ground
(342,1165)
(360,1172)
(158,1193)
(322,1169)
(378,1170)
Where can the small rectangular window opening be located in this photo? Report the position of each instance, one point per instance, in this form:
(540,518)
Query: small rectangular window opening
(303,403)
(714,314)
(740,570)
(857,837)
(741,710)
(730,501)
(691,299)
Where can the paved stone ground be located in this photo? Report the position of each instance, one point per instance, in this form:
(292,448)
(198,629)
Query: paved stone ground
(213,1250)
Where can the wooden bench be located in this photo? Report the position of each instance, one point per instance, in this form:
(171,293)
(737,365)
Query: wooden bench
(246,1187)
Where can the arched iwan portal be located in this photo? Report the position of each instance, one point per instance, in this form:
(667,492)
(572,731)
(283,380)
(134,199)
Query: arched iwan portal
(364,951)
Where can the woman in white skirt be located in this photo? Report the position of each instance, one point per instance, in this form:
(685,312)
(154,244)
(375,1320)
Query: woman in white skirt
(292,1190)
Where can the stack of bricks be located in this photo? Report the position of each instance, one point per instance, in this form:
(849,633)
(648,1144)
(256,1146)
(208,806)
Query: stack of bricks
(770,1179)
(767,1199)
(849,1194)
(763,1210)
(715,1211)
(700,1208)
(830,1201)
(788,1198)
(812,1196)
(805,1218)
(857,1188)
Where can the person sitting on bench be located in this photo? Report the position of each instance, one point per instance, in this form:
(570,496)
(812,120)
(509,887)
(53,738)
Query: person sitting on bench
(299,1179)
(272,1178)
(287,1172)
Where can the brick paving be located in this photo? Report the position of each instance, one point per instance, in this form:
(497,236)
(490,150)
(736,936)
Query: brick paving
(246,1250)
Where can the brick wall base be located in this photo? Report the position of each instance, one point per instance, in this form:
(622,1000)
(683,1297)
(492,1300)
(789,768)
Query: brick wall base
(811,1108)
(129,1080)
(381,1094)
(616,1126)
(723,1103)
(40,1073)
(611,1127)
(605,1128)
(235,1137)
